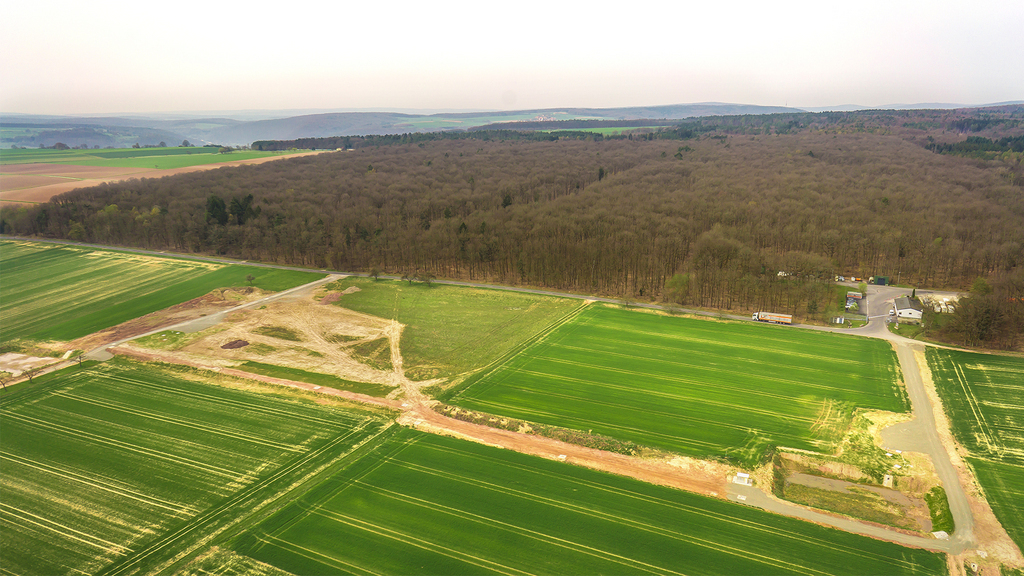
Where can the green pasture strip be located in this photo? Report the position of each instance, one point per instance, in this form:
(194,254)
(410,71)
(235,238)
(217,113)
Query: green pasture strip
(74,157)
(147,152)
(702,388)
(938,510)
(319,379)
(453,330)
(64,292)
(608,130)
(428,504)
(100,462)
(177,161)
(35,155)
(983,396)
(160,158)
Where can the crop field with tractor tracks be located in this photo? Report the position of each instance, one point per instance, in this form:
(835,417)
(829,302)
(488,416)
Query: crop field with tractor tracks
(698,387)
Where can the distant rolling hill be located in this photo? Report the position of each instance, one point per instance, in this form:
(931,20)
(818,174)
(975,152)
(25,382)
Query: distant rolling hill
(362,123)
(36,130)
(243,128)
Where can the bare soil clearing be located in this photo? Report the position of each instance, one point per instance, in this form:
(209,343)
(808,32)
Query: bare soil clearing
(9,183)
(15,364)
(68,170)
(295,332)
(152,356)
(95,175)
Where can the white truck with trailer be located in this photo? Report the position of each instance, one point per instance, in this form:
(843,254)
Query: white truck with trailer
(772,317)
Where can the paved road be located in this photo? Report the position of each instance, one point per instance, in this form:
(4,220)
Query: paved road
(752,496)
(919,435)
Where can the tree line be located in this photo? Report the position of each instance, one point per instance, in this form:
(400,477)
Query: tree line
(727,221)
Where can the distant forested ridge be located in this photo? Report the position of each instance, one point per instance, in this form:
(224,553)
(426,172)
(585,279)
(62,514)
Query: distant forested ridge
(975,144)
(354,142)
(742,216)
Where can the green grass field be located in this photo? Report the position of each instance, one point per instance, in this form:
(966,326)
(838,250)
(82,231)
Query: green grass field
(983,395)
(368,388)
(64,292)
(431,123)
(157,158)
(453,330)
(428,504)
(697,387)
(609,131)
(121,466)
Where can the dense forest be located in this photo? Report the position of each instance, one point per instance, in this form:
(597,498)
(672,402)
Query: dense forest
(733,220)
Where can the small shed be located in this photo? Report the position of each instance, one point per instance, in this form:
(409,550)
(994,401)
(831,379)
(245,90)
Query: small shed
(908,308)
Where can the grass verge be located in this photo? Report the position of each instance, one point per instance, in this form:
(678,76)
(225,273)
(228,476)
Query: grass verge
(316,378)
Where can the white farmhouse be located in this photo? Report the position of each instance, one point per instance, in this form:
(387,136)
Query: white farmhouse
(907,308)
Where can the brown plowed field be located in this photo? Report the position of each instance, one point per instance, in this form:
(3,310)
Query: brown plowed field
(68,170)
(11,190)
(16,182)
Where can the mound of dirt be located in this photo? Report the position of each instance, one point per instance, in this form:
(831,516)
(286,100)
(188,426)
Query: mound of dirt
(235,344)
(332,297)
(351,290)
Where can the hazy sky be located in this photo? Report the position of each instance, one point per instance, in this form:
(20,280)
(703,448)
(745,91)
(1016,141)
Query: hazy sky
(116,57)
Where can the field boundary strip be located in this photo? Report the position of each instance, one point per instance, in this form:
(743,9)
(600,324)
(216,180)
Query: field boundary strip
(482,372)
(326,490)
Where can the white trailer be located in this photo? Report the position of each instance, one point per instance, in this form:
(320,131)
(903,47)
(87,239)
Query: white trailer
(772,317)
